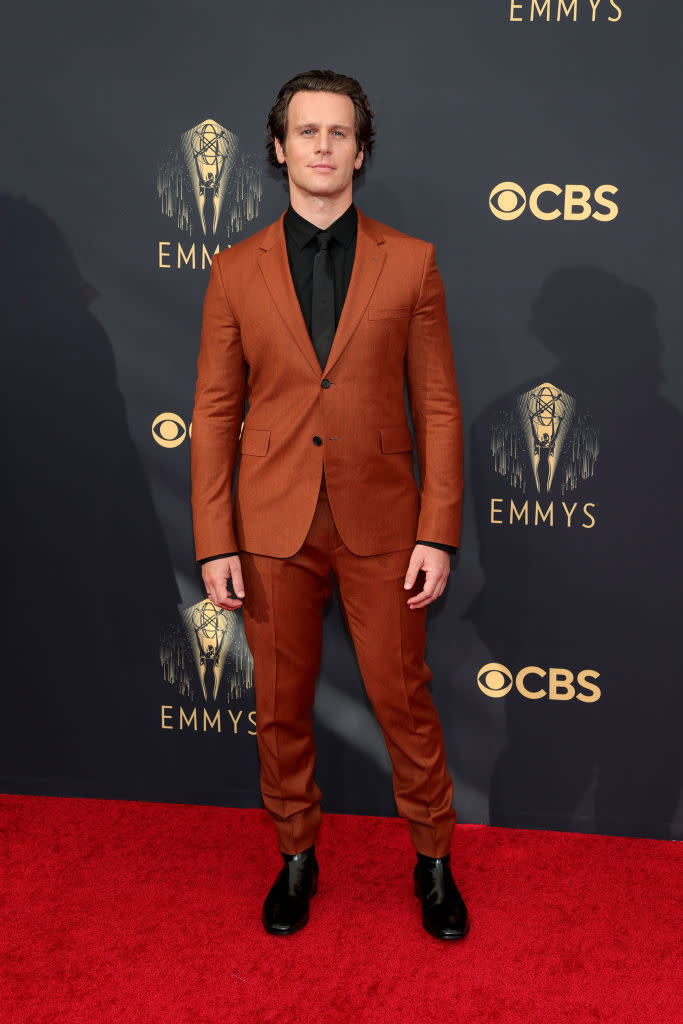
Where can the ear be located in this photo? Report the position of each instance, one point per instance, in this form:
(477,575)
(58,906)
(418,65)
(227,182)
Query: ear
(279,151)
(359,158)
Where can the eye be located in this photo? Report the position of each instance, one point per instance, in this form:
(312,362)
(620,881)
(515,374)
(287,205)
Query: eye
(169,430)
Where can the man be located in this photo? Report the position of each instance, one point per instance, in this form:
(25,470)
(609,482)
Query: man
(318,320)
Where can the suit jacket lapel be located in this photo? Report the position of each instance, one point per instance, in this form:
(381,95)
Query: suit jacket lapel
(367,266)
(275,269)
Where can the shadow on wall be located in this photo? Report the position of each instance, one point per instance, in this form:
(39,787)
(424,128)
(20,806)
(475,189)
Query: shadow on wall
(581,596)
(90,580)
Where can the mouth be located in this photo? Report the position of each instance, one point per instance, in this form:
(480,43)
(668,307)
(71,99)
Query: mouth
(322,167)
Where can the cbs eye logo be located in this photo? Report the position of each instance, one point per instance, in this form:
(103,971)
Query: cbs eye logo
(169,430)
(496,680)
(508,201)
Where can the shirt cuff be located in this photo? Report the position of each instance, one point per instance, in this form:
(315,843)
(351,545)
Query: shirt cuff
(212,558)
(442,547)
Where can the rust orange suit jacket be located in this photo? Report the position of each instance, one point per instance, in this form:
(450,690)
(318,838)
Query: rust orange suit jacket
(255,345)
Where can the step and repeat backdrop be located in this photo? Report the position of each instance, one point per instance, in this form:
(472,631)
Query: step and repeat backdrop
(536,143)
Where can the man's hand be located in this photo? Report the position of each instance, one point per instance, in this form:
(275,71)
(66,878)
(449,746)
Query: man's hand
(436,565)
(216,575)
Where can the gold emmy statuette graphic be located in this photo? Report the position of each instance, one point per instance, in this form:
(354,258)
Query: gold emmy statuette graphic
(210,152)
(206,181)
(207,645)
(546,414)
(211,629)
(542,436)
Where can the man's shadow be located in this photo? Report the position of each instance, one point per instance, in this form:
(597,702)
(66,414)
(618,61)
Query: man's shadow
(603,597)
(89,578)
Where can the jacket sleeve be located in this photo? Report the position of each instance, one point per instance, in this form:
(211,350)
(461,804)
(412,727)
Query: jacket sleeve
(435,406)
(216,421)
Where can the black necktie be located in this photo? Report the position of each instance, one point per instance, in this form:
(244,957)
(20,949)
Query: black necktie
(322,310)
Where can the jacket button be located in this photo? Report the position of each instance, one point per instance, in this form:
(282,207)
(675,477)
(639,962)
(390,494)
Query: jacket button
(326,383)
(317,441)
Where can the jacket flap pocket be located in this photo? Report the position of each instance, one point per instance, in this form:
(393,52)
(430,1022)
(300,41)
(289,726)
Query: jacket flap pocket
(254,441)
(396,439)
(390,313)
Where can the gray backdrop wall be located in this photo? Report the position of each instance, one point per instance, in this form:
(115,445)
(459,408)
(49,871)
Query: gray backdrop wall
(537,144)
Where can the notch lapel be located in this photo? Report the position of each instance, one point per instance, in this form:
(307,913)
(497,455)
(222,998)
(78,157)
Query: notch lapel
(275,269)
(367,266)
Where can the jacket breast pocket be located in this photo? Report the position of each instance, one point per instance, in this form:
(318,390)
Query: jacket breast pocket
(395,439)
(390,313)
(254,441)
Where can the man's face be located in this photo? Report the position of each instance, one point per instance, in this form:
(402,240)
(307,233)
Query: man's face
(320,148)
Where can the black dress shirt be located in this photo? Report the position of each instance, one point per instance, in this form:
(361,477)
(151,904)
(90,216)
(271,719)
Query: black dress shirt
(301,249)
(300,237)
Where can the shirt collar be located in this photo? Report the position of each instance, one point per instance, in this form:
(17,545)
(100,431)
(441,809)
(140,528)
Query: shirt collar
(301,231)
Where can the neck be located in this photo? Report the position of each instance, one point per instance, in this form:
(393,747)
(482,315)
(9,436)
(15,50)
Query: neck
(320,210)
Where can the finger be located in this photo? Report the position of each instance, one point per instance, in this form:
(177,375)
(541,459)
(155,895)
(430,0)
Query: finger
(224,599)
(220,591)
(230,604)
(217,593)
(432,589)
(237,581)
(421,604)
(440,590)
(420,600)
(414,566)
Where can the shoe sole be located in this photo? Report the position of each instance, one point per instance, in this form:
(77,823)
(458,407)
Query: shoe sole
(447,938)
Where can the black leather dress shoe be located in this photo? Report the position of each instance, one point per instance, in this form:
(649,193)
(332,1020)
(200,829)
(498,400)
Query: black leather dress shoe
(286,907)
(444,914)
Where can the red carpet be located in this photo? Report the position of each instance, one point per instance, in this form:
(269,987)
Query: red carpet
(144,913)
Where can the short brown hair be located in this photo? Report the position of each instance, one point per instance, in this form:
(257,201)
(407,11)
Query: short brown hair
(321,81)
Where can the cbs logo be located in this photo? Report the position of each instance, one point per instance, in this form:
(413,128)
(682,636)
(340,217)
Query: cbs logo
(508,201)
(169,430)
(534,683)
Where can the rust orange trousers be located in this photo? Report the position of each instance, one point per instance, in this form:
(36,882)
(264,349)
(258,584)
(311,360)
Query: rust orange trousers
(283,624)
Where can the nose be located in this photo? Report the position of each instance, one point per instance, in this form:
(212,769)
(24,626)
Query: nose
(324,145)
